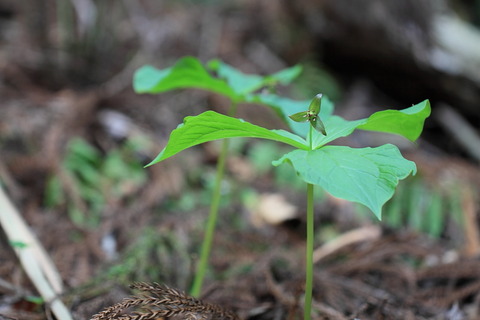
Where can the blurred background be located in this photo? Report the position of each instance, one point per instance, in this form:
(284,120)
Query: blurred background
(74,138)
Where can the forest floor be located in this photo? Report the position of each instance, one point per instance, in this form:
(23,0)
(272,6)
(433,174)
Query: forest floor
(151,222)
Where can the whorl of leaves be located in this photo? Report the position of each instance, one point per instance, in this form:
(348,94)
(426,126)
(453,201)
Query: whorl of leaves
(158,301)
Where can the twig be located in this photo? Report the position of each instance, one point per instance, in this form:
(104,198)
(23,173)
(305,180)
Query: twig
(329,312)
(33,257)
(348,238)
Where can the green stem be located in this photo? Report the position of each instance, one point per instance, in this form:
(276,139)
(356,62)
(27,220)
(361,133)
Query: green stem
(212,216)
(310,137)
(309,246)
(309,254)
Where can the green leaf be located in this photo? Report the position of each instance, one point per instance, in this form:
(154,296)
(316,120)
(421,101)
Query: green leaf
(210,125)
(188,72)
(407,122)
(410,125)
(299,116)
(240,82)
(318,125)
(285,76)
(367,176)
(316,104)
(435,219)
(83,152)
(243,83)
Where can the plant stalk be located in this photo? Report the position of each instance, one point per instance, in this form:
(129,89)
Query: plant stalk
(309,254)
(310,137)
(212,216)
(307,309)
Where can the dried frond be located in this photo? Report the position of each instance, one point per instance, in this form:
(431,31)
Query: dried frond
(157,301)
(112,312)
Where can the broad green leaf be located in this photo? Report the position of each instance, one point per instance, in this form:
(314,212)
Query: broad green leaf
(209,126)
(243,83)
(188,72)
(368,176)
(407,122)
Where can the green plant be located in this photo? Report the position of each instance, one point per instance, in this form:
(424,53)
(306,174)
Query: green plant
(426,208)
(87,181)
(364,175)
(239,88)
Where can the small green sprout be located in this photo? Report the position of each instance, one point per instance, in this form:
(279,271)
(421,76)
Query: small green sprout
(311,115)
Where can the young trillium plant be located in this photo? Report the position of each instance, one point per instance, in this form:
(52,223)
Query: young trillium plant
(367,176)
